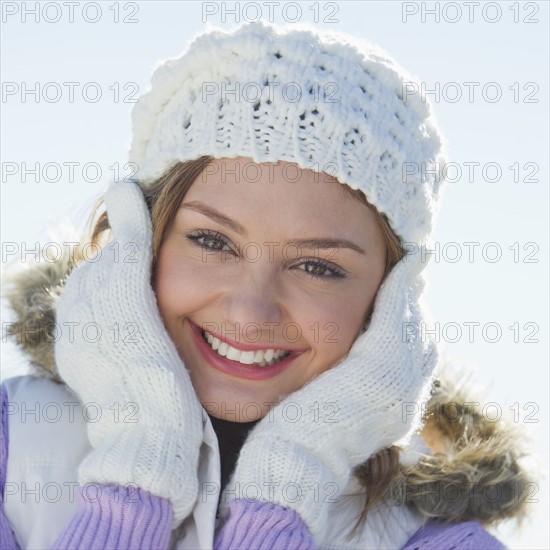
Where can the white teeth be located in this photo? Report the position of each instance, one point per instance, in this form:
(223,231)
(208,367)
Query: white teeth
(223,349)
(233,354)
(213,341)
(261,358)
(247,357)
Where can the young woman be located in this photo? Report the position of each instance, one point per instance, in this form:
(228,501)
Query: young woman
(243,365)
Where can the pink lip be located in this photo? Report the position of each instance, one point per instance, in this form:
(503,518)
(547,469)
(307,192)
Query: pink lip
(234,368)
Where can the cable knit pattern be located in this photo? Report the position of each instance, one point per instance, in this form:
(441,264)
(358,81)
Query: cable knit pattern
(157,448)
(329,102)
(263,526)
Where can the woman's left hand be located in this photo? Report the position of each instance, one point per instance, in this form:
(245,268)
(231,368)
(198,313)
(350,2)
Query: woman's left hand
(374,393)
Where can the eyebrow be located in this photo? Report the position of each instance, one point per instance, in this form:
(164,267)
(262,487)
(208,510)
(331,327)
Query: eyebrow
(311,244)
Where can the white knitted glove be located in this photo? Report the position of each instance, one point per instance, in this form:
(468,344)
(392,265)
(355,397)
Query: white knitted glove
(151,423)
(368,392)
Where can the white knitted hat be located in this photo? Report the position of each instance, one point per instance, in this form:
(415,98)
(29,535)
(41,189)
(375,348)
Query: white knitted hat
(327,102)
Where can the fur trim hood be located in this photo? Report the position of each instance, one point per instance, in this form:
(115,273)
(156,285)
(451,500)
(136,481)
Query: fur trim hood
(476,471)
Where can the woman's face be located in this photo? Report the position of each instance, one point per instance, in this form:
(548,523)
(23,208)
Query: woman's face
(265,257)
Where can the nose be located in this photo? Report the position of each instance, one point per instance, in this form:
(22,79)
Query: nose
(253,303)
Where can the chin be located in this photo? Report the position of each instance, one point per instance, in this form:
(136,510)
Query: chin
(228,401)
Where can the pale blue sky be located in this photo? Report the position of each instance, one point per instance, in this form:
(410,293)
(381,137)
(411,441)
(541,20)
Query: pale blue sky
(503,55)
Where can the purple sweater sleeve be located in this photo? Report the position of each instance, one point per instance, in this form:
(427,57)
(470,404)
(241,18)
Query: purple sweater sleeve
(469,535)
(111,516)
(118,519)
(110,523)
(7,539)
(263,526)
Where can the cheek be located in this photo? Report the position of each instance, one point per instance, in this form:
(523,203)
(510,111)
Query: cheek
(334,322)
(333,331)
(331,324)
(180,286)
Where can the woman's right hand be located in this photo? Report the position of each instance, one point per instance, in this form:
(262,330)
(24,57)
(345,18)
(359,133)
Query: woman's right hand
(118,356)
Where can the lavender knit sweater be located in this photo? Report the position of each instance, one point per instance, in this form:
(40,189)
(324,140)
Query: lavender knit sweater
(127,522)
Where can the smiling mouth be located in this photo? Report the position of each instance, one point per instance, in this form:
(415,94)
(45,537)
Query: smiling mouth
(258,358)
